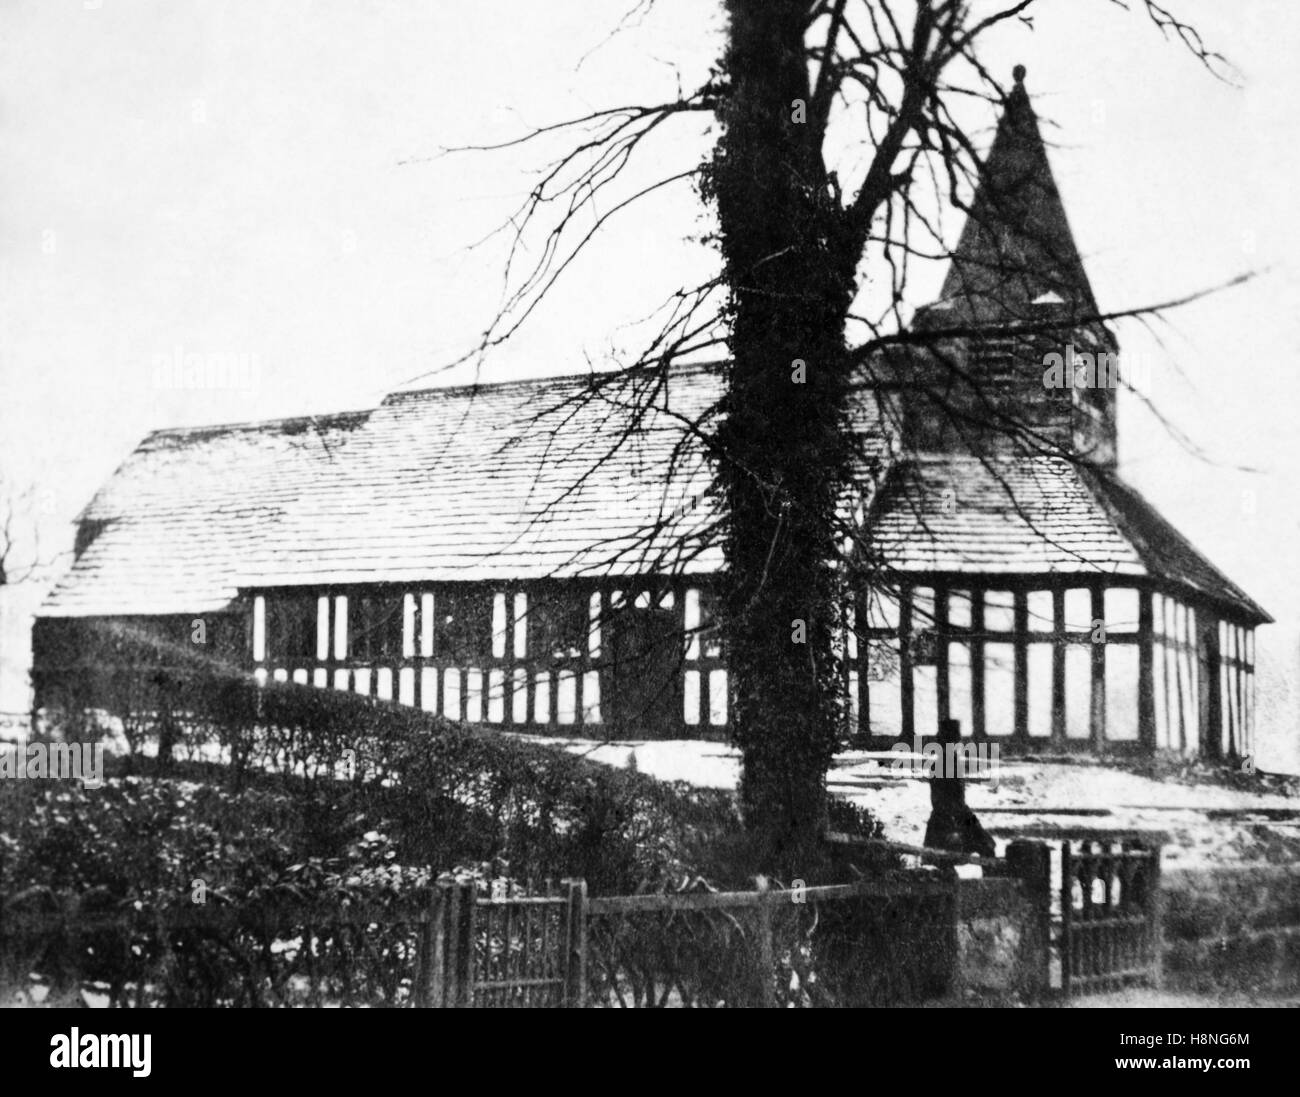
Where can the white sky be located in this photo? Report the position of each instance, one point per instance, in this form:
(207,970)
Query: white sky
(229,178)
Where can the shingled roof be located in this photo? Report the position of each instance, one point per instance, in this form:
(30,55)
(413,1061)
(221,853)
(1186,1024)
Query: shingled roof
(172,525)
(523,480)
(1016,249)
(508,481)
(1031,515)
(519,481)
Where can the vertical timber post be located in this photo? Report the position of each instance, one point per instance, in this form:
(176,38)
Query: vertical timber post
(1067,912)
(459,991)
(1032,863)
(433,982)
(1097,720)
(574,944)
(1146,675)
(1157,915)
(764,951)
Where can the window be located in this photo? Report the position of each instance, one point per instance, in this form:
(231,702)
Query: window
(717,697)
(959,609)
(519,697)
(451,693)
(1078,692)
(499,628)
(1000,610)
(426,624)
(884,695)
(1078,610)
(1042,615)
(691,697)
(959,687)
(709,635)
(1039,666)
(520,630)
(1121,609)
(408,626)
(340,626)
(882,610)
(999,689)
(691,622)
(259,629)
(1121,692)
(922,608)
(591,697)
(925,701)
(496,695)
(566,697)
(323,627)
(593,634)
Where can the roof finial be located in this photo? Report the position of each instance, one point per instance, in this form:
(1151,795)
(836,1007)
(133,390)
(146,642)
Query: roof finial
(1018,74)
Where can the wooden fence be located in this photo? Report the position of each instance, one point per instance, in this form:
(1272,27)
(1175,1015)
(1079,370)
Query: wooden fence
(694,948)
(507,951)
(899,938)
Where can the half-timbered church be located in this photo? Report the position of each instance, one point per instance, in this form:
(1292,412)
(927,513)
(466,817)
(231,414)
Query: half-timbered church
(486,553)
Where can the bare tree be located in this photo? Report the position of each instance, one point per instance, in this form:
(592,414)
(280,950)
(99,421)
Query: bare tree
(809,307)
(20,544)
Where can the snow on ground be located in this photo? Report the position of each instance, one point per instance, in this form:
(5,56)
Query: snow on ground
(1040,793)
(699,763)
(1150,998)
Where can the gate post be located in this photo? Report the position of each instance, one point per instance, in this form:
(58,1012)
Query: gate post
(1031,862)
(573,944)
(432,989)
(457,955)
(763,950)
(1067,917)
(1157,915)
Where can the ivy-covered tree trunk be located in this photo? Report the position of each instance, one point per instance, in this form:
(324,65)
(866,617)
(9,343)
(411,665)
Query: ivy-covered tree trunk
(790,266)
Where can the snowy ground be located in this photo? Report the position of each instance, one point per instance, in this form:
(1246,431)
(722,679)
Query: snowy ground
(1024,797)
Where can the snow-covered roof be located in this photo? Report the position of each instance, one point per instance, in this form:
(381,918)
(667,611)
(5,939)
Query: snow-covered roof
(519,480)
(528,480)
(1033,515)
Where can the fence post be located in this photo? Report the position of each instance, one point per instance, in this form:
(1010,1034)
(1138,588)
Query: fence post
(1157,915)
(573,940)
(467,893)
(1067,916)
(766,958)
(1031,862)
(433,950)
(458,967)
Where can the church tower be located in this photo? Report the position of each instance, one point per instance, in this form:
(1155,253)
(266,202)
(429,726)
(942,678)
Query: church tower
(1022,364)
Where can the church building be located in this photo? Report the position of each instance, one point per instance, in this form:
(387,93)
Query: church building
(483,553)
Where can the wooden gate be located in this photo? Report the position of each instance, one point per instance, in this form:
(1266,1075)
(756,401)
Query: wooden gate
(1110,915)
(505,951)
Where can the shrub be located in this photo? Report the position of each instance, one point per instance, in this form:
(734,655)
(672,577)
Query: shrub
(320,796)
(449,794)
